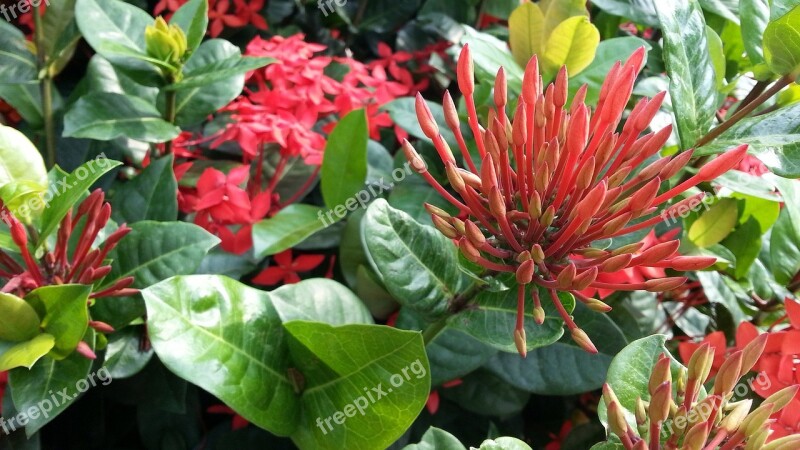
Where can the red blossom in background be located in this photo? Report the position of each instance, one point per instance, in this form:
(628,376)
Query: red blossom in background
(238,421)
(220,14)
(3,384)
(558,440)
(555,179)
(287,268)
(432,405)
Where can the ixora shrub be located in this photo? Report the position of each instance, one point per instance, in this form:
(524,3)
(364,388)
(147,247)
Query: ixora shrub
(233,224)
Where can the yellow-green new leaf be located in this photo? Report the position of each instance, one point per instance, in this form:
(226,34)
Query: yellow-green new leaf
(25,354)
(19,159)
(557,11)
(715,224)
(572,44)
(526,32)
(782,43)
(18,320)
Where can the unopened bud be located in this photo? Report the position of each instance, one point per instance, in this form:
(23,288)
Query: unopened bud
(696,436)
(582,339)
(525,272)
(521,342)
(566,276)
(444,227)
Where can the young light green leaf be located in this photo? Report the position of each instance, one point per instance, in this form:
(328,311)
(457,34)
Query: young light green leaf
(289,227)
(344,166)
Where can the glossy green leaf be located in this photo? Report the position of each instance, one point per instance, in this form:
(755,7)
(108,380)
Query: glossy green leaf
(715,224)
(494,315)
(690,68)
(106,116)
(485,394)
(723,290)
(338,364)
(416,263)
(26,354)
(642,11)
(344,166)
(18,320)
(17,63)
(51,386)
(26,99)
(65,315)
(774,138)
(729,9)
(68,189)
(124,354)
(782,43)
(195,104)
(60,34)
(754,16)
(152,195)
(102,76)
(573,44)
(608,52)
(526,33)
(320,299)
(785,238)
(504,443)
(192,17)
(20,161)
(289,227)
(629,373)
(563,368)
(155,251)
(436,439)
(745,243)
(218,70)
(717,55)
(749,185)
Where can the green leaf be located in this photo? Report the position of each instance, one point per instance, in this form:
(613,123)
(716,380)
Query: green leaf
(65,315)
(18,320)
(782,43)
(338,364)
(504,443)
(608,52)
(715,224)
(60,34)
(715,51)
(403,113)
(320,299)
(124,355)
(745,243)
(774,138)
(573,44)
(723,290)
(690,68)
(195,104)
(493,316)
(563,368)
(192,17)
(416,263)
(629,373)
(344,166)
(68,189)
(115,30)
(289,227)
(754,16)
(17,63)
(20,161)
(50,387)
(436,439)
(411,195)
(485,394)
(26,354)
(641,11)
(218,70)
(729,9)
(785,238)
(26,99)
(526,32)
(155,251)
(105,116)
(152,195)
(102,76)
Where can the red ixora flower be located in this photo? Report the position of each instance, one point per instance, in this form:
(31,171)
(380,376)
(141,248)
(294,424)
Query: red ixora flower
(3,384)
(82,265)
(287,268)
(554,179)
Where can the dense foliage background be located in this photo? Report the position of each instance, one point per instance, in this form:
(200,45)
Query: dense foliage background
(225,222)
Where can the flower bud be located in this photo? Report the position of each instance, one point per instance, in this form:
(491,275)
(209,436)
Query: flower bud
(566,276)
(584,279)
(752,352)
(468,250)
(722,163)
(734,418)
(164,42)
(660,374)
(700,363)
(616,263)
(582,339)
(436,211)
(616,419)
(450,112)
(728,374)
(444,227)
(413,157)
(597,305)
(521,342)
(782,398)
(641,412)
(753,422)
(525,272)
(455,178)
(500,89)
(696,436)
(537,253)
(538,315)
(465,72)
(664,284)
(660,402)
(791,442)
(425,118)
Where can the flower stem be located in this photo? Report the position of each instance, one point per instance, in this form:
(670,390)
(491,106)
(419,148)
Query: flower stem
(169,116)
(433,330)
(46,89)
(744,111)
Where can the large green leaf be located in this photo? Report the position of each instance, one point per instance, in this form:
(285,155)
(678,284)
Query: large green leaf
(17,63)
(485,394)
(60,34)
(774,138)
(338,365)
(218,69)
(152,195)
(194,104)
(785,237)
(563,368)
(572,44)
(344,166)
(755,16)
(64,312)
(291,226)
(51,386)
(715,224)
(125,356)
(728,9)
(689,66)
(192,17)
(66,190)
(102,76)
(642,11)
(629,373)
(504,443)
(20,161)
(608,52)
(155,251)
(782,43)
(526,33)
(416,263)
(436,439)
(105,116)
(492,319)
(26,354)
(18,320)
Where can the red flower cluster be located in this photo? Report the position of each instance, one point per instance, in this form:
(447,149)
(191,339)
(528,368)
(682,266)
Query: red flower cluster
(286,269)
(83,265)
(556,178)
(220,14)
(778,366)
